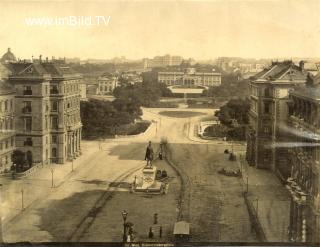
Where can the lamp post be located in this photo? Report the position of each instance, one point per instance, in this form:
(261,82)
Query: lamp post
(124,216)
(1,238)
(52,171)
(72,163)
(22,205)
(247,183)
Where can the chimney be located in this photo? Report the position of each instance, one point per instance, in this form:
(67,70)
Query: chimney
(47,60)
(40,58)
(32,58)
(301,65)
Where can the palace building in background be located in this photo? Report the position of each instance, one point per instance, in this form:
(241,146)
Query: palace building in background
(190,77)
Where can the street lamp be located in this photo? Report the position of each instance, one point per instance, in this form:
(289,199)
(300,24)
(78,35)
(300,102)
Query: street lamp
(1,238)
(247,183)
(124,216)
(52,171)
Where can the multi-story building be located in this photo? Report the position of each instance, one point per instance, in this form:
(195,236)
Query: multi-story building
(162,61)
(107,84)
(7,133)
(303,141)
(190,78)
(47,111)
(268,114)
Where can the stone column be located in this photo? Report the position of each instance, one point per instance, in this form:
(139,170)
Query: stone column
(299,224)
(303,225)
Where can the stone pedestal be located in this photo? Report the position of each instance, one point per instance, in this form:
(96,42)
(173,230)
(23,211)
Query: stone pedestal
(148,182)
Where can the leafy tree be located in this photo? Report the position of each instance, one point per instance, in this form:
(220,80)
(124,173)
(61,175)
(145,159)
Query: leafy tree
(18,158)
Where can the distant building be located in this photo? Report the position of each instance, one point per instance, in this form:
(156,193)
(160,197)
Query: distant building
(131,77)
(107,84)
(47,111)
(269,112)
(7,130)
(162,61)
(92,89)
(8,57)
(190,78)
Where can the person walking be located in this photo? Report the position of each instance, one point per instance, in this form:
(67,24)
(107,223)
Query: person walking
(149,155)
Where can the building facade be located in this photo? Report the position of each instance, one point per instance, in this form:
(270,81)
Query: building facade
(304,159)
(162,61)
(268,114)
(107,84)
(190,78)
(47,111)
(7,133)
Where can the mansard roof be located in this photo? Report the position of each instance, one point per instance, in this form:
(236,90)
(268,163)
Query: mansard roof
(281,71)
(29,69)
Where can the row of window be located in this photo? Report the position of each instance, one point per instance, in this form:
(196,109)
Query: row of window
(54,89)
(4,160)
(29,142)
(6,105)
(6,124)
(72,102)
(9,143)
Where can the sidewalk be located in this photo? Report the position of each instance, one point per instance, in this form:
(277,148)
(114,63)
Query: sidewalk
(19,194)
(269,199)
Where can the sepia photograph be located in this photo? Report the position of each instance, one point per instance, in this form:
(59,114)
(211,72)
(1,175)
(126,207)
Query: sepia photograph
(160,123)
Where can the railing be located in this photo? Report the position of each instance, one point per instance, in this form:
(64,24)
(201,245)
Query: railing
(26,110)
(28,143)
(27,92)
(54,91)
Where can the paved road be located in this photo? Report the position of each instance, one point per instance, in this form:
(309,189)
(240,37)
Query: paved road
(78,209)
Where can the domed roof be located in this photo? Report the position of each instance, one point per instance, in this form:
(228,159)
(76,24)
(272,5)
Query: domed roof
(8,57)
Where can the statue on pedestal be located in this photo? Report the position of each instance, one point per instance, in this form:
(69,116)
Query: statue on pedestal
(149,155)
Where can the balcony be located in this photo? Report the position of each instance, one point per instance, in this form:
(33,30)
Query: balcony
(27,92)
(298,195)
(26,110)
(27,143)
(54,91)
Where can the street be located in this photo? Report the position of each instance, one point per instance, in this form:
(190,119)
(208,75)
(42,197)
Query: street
(86,204)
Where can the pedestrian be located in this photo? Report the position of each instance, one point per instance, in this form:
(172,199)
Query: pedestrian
(149,155)
(160,232)
(150,232)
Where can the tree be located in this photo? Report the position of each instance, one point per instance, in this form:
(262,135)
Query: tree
(19,159)
(236,110)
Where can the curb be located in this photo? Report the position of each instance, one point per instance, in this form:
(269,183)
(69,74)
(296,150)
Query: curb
(254,219)
(184,186)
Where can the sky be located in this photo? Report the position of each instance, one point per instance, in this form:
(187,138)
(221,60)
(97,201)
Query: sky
(137,29)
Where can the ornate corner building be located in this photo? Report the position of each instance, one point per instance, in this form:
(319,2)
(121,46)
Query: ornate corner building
(7,131)
(269,96)
(41,110)
(285,136)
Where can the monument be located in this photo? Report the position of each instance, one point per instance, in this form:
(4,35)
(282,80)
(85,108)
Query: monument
(147,182)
